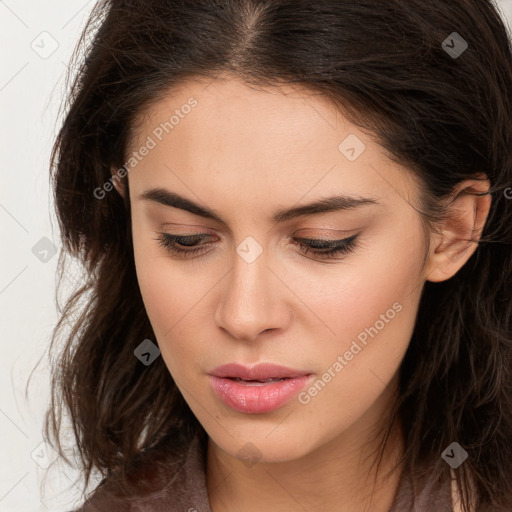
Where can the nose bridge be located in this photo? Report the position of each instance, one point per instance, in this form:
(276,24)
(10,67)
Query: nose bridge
(247,306)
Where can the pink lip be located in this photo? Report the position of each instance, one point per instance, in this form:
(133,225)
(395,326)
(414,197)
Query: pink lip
(254,397)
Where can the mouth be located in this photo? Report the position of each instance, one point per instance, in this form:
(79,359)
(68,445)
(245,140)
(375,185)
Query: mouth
(260,372)
(257,389)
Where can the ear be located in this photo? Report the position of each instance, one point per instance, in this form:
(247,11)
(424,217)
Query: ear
(118,179)
(459,233)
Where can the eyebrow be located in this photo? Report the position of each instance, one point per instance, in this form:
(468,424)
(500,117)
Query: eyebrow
(325,205)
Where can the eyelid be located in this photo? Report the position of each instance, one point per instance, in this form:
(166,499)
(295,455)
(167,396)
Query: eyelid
(333,236)
(340,236)
(326,249)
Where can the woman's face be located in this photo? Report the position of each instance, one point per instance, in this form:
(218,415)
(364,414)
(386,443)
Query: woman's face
(251,293)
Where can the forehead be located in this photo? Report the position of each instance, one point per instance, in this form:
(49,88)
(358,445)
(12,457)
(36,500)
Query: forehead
(270,115)
(231,135)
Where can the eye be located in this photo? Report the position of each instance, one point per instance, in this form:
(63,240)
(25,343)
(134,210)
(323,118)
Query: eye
(327,248)
(323,249)
(173,242)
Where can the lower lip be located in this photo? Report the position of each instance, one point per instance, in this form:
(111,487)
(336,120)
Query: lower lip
(257,398)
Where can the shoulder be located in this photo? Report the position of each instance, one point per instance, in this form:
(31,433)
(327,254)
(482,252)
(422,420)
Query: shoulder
(129,489)
(155,481)
(425,492)
(146,479)
(103,501)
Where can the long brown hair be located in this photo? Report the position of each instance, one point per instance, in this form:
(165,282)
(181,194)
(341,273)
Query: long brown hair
(447,117)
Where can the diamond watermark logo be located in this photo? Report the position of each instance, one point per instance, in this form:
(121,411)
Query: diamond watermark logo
(351,147)
(44,250)
(147,352)
(454,45)
(249,454)
(43,455)
(454,455)
(249,249)
(45,45)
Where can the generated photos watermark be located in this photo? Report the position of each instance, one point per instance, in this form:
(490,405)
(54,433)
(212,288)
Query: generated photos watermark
(151,143)
(355,348)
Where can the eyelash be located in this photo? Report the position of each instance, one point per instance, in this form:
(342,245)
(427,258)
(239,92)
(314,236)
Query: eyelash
(334,247)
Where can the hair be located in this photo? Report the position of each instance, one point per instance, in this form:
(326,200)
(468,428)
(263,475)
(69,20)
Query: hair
(445,118)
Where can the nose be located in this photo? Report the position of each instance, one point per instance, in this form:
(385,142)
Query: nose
(251,300)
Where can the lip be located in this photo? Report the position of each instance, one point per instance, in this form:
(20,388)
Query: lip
(259,371)
(257,397)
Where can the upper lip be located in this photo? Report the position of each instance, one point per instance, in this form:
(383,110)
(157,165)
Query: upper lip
(259,371)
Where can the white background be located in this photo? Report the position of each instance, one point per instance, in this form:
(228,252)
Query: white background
(31,91)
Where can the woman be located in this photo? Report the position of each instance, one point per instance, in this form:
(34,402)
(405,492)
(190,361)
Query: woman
(296,221)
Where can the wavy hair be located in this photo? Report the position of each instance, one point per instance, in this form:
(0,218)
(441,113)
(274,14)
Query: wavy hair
(446,118)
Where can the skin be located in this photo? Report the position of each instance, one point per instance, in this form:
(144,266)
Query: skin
(246,152)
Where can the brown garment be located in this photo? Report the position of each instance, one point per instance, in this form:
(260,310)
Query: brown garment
(186,492)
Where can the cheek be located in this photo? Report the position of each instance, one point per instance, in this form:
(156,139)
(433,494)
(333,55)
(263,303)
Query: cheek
(169,294)
(371,315)
(376,299)
(172,302)
(349,296)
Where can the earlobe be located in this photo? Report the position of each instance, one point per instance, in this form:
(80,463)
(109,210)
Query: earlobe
(118,175)
(460,232)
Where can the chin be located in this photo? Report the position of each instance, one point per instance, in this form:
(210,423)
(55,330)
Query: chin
(264,444)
